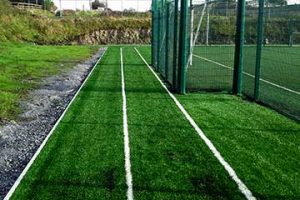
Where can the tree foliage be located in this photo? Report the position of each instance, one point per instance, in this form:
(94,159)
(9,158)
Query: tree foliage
(97,4)
(277,2)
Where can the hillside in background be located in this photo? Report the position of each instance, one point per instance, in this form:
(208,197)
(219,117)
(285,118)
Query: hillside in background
(43,27)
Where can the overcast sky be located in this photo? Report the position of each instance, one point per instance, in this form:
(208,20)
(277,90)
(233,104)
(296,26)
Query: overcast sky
(140,5)
(289,1)
(293,1)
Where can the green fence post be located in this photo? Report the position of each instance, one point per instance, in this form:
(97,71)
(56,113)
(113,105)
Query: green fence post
(260,36)
(239,46)
(175,47)
(183,46)
(158,37)
(154,34)
(167,40)
(290,33)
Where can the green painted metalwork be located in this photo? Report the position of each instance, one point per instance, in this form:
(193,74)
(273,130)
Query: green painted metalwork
(239,44)
(260,37)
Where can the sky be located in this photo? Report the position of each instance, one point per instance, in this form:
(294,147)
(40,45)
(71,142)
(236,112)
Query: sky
(293,1)
(289,1)
(139,5)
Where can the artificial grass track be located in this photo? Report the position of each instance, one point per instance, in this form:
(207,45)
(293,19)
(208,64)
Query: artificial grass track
(84,157)
(260,144)
(168,158)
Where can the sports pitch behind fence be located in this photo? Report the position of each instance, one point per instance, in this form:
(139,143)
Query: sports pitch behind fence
(241,48)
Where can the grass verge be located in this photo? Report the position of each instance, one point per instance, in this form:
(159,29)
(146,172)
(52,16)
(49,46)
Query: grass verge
(23,66)
(84,157)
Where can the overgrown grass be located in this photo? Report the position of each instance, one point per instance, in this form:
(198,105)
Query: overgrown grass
(23,66)
(39,27)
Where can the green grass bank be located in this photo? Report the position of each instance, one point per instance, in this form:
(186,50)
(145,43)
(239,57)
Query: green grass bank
(23,66)
(81,28)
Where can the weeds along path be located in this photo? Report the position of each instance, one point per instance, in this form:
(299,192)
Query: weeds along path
(84,158)
(168,159)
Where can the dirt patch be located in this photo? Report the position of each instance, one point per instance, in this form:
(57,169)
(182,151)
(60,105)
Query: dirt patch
(20,140)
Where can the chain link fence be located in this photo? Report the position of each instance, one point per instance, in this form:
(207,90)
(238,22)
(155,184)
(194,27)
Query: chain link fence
(245,48)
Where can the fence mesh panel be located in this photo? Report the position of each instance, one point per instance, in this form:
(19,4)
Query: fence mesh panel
(279,85)
(162,36)
(155,30)
(213,33)
(164,59)
(250,46)
(170,41)
(279,69)
(271,49)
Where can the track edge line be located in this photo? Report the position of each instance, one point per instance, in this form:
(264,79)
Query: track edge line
(242,187)
(126,134)
(36,154)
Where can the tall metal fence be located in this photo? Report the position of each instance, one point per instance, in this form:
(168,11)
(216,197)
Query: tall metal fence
(212,45)
(272,57)
(170,40)
(235,47)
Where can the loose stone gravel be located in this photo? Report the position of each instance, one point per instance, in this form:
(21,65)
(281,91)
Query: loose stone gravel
(20,140)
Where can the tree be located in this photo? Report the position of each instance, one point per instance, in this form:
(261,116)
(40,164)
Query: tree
(97,4)
(49,5)
(277,2)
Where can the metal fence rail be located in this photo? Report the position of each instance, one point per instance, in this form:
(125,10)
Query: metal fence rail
(22,5)
(214,45)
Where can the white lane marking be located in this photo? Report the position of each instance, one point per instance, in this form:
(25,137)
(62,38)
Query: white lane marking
(20,178)
(242,187)
(252,76)
(126,135)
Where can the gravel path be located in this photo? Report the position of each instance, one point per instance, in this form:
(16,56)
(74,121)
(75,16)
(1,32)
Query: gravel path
(19,140)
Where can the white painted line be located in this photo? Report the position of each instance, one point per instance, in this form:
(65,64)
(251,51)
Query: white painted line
(129,45)
(252,76)
(242,187)
(20,178)
(126,135)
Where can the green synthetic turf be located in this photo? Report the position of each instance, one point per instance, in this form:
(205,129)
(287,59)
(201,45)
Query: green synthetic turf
(23,66)
(169,160)
(84,157)
(260,144)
